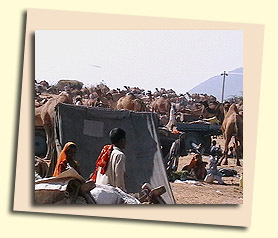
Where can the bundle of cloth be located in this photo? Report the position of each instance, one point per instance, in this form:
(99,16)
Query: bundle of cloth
(70,188)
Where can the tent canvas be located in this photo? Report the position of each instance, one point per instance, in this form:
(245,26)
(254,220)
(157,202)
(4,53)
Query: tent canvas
(89,128)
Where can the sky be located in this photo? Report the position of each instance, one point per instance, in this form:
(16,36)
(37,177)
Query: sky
(148,59)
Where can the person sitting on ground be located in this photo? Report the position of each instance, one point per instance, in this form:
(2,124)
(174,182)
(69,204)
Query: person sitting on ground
(110,165)
(213,173)
(197,166)
(215,149)
(66,159)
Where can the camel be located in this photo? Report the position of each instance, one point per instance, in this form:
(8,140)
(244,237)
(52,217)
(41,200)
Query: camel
(113,98)
(213,109)
(41,167)
(240,108)
(161,105)
(195,97)
(96,102)
(232,126)
(95,98)
(44,116)
(73,84)
(85,91)
(104,100)
(52,90)
(100,88)
(130,102)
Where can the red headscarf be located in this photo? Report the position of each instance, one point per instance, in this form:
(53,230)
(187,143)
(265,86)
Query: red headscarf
(102,161)
(62,161)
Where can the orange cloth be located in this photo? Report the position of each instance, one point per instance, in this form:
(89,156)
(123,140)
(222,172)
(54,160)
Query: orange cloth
(102,160)
(62,161)
(195,162)
(198,166)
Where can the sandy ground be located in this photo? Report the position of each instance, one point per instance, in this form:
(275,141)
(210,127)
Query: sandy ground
(205,193)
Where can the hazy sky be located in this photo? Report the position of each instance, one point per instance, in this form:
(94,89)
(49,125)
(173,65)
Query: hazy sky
(177,59)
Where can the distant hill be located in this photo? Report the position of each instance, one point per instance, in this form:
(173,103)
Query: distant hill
(213,86)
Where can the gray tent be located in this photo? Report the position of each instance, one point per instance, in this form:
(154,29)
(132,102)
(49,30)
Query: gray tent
(89,129)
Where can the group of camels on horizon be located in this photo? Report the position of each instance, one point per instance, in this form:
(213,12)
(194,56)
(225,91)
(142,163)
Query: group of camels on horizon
(230,115)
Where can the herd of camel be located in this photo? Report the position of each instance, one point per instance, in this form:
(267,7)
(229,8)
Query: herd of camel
(188,107)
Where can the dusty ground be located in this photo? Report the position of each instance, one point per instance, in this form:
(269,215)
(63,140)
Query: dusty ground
(204,193)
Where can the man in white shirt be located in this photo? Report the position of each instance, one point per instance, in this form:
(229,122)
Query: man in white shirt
(111,170)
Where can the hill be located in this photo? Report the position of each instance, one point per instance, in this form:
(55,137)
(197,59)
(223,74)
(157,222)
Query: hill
(213,86)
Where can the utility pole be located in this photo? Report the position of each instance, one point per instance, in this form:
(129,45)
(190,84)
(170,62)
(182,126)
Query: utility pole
(224,74)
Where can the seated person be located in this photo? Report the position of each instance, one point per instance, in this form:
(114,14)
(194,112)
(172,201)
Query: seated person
(215,150)
(197,166)
(110,165)
(213,172)
(66,159)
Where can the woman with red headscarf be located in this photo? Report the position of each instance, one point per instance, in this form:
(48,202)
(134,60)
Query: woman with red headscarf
(66,159)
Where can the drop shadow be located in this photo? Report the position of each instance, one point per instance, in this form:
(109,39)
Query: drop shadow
(17,109)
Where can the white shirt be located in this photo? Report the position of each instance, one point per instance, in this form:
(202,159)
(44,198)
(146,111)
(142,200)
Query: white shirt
(114,174)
